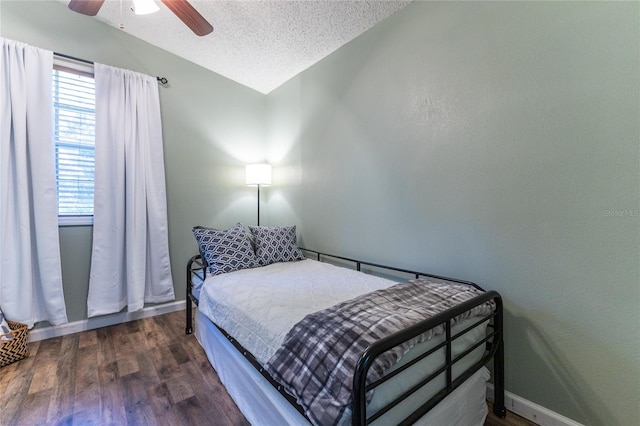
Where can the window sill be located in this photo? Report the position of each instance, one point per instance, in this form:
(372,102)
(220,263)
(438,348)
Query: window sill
(75,220)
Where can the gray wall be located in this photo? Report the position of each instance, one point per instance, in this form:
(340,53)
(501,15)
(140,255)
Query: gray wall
(211,125)
(495,142)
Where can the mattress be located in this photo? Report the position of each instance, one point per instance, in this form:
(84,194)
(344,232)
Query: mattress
(263,405)
(259,306)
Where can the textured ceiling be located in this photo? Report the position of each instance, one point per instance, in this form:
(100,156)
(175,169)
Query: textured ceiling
(260,44)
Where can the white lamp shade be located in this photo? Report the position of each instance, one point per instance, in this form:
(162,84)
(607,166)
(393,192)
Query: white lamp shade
(258,174)
(144,7)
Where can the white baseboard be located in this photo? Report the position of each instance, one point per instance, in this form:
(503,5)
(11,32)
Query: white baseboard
(103,321)
(532,411)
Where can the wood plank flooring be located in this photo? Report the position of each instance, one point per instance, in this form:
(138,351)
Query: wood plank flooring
(145,372)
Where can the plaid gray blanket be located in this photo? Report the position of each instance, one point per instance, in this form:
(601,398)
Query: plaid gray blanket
(318,356)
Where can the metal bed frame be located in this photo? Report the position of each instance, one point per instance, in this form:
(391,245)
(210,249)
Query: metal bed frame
(494,346)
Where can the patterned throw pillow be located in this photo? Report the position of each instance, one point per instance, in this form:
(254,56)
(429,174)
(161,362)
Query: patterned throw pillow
(276,244)
(5,331)
(227,250)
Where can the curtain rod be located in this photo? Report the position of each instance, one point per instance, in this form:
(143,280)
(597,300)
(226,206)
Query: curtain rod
(162,80)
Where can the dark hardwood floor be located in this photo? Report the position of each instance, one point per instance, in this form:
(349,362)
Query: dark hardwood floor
(145,372)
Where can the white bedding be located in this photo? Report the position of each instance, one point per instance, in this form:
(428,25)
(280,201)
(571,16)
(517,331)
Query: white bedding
(259,315)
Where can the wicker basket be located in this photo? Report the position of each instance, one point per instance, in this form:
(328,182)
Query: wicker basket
(17,348)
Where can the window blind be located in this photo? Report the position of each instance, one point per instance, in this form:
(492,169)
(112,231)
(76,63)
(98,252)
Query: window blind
(74,137)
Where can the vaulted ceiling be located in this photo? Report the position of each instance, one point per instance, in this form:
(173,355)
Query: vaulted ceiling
(260,44)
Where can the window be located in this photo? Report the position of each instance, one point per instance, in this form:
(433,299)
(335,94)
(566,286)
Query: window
(74,137)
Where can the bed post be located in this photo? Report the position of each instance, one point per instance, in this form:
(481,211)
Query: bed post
(359,401)
(189,311)
(498,363)
(189,327)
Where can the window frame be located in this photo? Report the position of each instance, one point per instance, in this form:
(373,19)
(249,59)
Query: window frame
(85,69)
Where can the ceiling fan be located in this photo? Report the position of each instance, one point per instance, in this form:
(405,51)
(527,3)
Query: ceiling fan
(181,8)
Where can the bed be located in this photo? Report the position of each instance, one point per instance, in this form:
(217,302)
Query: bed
(429,371)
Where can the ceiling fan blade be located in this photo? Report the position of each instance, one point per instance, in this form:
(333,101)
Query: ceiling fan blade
(190,16)
(86,7)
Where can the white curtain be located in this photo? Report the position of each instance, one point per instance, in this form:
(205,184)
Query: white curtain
(30,271)
(130,258)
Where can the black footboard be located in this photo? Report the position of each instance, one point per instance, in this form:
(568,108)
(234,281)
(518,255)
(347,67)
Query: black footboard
(493,343)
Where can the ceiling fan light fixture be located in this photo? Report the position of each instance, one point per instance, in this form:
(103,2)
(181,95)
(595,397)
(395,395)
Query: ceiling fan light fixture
(144,7)
(181,8)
